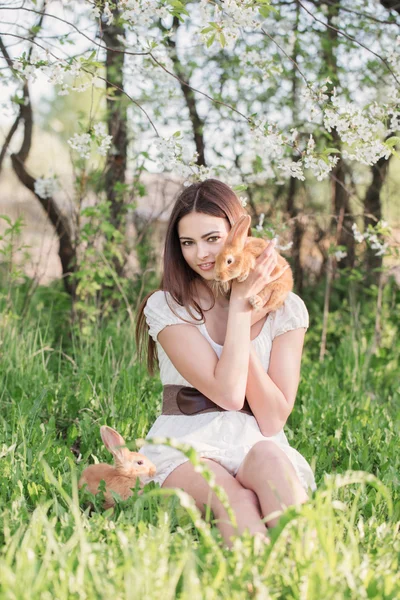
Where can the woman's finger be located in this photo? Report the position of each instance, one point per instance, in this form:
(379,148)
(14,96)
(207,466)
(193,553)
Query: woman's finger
(269,250)
(271,260)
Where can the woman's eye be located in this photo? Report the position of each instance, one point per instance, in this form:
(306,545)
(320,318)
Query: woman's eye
(210,239)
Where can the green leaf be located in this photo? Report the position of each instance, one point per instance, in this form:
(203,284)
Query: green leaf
(264,12)
(393,141)
(6,219)
(207,29)
(210,40)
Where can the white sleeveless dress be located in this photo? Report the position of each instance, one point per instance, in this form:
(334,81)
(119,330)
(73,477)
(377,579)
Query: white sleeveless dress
(226,436)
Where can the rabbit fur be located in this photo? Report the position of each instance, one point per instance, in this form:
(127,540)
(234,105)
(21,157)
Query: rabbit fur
(121,477)
(238,257)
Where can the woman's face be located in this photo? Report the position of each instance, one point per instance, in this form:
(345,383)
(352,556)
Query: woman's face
(202,238)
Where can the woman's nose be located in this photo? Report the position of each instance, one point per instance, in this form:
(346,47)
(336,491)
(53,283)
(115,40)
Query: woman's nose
(202,251)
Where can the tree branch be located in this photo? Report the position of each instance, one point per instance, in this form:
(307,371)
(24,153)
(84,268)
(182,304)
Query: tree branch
(352,39)
(78,31)
(8,139)
(58,220)
(182,82)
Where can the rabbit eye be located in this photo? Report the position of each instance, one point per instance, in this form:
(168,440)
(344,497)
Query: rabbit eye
(229,261)
(139,462)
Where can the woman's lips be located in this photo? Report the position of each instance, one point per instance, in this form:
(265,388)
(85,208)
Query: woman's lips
(206,266)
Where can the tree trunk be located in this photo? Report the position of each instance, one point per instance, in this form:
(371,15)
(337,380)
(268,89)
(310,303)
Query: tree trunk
(341,202)
(297,235)
(340,194)
(116,119)
(188,94)
(373,213)
(67,251)
(298,229)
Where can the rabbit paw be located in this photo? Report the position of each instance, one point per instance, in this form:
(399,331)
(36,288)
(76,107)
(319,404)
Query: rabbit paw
(243,277)
(256,302)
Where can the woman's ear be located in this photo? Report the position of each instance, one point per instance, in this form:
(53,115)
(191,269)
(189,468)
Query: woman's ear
(238,234)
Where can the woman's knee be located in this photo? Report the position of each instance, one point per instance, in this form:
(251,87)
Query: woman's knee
(265,451)
(194,484)
(263,456)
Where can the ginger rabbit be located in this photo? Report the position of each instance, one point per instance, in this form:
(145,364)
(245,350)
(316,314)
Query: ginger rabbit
(238,257)
(121,477)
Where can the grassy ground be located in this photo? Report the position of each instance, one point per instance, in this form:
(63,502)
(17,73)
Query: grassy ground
(57,388)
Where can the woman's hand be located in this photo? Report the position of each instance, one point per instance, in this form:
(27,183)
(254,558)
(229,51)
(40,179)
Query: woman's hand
(260,276)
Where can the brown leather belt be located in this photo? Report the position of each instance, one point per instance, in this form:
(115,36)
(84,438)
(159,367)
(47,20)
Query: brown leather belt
(184,400)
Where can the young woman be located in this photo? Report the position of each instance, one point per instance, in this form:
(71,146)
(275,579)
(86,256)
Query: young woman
(230,374)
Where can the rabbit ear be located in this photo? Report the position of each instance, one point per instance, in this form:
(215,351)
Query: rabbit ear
(238,234)
(113,442)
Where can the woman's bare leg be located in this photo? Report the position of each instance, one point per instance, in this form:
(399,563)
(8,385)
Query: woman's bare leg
(267,471)
(244,502)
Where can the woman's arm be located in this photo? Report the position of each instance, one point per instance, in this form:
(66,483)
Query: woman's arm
(223,380)
(271,395)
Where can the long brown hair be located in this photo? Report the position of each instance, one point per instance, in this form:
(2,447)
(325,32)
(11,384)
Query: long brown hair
(210,197)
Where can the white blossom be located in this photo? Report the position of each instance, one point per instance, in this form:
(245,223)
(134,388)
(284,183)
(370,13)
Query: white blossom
(108,14)
(243,201)
(82,87)
(45,188)
(310,145)
(229,17)
(292,169)
(381,250)
(320,167)
(95,12)
(100,129)
(339,254)
(105,145)
(261,218)
(372,238)
(358,236)
(141,13)
(81,143)
(103,140)
(55,73)
(284,248)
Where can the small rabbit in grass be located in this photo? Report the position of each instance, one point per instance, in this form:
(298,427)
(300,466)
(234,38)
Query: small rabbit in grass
(120,478)
(238,257)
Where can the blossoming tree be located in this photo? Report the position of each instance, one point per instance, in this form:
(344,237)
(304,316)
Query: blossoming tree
(265,95)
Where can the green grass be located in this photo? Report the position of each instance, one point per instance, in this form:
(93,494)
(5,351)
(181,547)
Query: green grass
(57,388)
